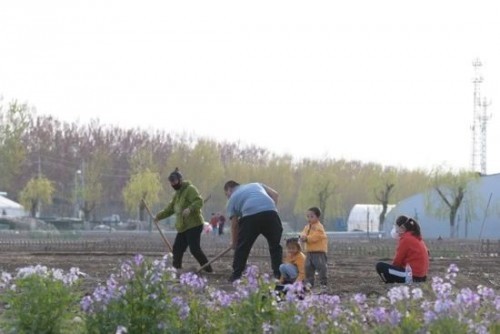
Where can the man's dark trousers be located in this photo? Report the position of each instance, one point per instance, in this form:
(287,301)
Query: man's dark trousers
(267,223)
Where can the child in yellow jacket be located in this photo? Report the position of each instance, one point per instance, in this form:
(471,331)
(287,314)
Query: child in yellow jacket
(316,241)
(293,269)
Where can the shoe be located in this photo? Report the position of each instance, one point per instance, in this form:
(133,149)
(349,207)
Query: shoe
(233,278)
(208,269)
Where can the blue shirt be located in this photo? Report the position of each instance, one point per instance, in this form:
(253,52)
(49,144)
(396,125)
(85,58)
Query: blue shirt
(249,199)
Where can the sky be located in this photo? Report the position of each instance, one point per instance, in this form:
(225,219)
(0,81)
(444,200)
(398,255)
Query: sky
(388,82)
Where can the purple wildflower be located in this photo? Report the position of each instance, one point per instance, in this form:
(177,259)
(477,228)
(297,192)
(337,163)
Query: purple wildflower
(86,304)
(442,305)
(221,298)
(311,322)
(468,299)
(138,260)
(359,298)
(417,293)
(379,314)
(183,307)
(398,293)
(485,292)
(193,281)
(126,270)
(429,317)
(394,317)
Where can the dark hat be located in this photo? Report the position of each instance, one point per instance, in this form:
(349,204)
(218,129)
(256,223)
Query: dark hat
(175,175)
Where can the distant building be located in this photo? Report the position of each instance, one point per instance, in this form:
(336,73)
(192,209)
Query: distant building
(365,217)
(473,221)
(9,208)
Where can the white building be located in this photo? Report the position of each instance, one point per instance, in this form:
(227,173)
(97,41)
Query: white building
(365,217)
(10,208)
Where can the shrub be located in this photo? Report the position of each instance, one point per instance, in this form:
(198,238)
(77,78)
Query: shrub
(39,300)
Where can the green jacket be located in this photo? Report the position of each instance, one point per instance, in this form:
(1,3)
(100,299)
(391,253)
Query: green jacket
(186,197)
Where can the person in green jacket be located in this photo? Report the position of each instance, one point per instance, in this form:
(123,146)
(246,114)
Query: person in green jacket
(186,205)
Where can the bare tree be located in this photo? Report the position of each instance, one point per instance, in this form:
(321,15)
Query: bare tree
(450,188)
(383,197)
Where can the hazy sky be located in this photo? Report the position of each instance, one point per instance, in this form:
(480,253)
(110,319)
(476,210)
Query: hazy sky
(382,81)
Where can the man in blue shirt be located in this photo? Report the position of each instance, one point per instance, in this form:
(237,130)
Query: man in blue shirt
(252,210)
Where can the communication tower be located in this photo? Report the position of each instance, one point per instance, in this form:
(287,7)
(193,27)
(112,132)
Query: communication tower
(480,120)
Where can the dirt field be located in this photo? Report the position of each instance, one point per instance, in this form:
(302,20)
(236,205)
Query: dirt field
(347,274)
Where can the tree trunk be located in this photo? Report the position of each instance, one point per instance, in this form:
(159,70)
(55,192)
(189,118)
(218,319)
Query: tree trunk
(142,208)
(87,209)
(453,214)
(34,208)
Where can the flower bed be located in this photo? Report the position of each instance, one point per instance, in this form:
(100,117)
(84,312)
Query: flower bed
(148,296)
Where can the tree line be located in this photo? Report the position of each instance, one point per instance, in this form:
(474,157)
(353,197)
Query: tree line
(57,168)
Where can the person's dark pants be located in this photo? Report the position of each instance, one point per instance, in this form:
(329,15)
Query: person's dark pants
(316,262)
(267,223)
(392,274)
(189,238)
(221,228)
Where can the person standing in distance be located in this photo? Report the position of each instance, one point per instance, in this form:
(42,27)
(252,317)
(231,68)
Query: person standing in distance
(186,205)
(252,210)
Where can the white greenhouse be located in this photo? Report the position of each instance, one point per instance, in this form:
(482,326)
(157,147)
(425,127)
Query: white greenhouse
(365,217)
(10,208)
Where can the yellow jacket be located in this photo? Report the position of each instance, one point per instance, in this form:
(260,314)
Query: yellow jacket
(299,261)
(316,241)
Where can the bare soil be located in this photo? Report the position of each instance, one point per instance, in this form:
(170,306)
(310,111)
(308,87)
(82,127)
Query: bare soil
(346,275)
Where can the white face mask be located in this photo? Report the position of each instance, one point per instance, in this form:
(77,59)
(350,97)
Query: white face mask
(394,233)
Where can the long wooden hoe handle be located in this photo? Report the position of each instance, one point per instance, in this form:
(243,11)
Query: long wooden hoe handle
(165,240)
(218,256)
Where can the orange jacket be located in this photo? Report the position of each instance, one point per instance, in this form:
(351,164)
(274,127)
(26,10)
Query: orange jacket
(317,241)
(299,261)
(412,250)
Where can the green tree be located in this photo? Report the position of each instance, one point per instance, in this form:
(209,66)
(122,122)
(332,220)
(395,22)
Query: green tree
(91,189)
(13,125)
(448,190)
(37,191)
(279,174)
(144,186)
(202,166)
(317,184)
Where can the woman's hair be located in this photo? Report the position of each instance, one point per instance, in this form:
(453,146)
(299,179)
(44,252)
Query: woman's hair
(315,210)
(409,224)
(294,242)
(230,185)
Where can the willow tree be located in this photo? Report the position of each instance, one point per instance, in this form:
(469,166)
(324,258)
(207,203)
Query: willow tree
(144,185)
(91,188)
(448,191)
(38,190)
(200,162)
